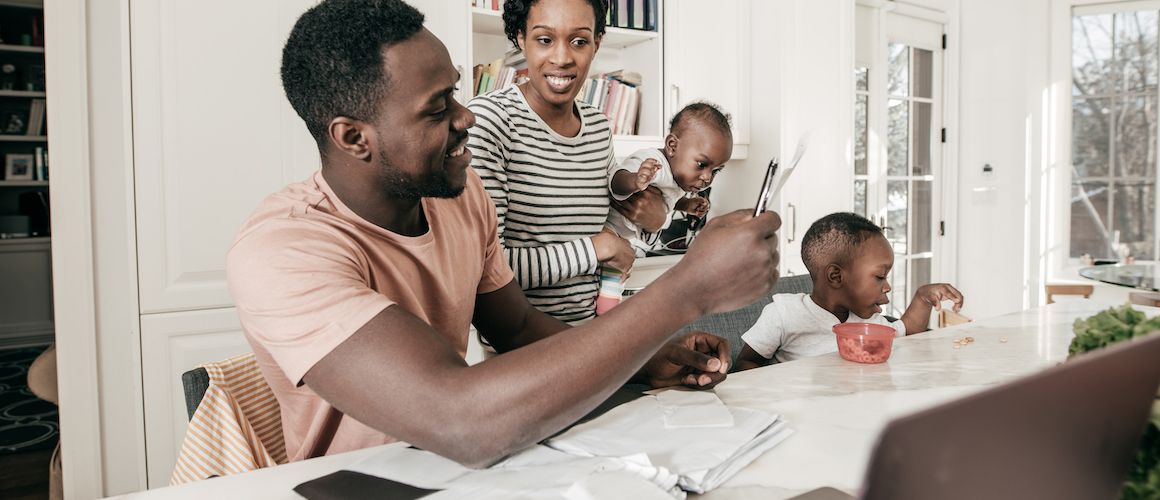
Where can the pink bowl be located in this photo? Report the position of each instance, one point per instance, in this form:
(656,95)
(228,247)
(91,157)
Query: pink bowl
(864,342)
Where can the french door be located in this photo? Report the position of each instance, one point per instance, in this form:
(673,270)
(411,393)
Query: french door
(898,138)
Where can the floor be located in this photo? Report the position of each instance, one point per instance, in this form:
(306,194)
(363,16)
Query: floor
(28,430)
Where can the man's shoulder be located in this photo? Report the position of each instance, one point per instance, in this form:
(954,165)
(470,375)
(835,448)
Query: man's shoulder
(298,213)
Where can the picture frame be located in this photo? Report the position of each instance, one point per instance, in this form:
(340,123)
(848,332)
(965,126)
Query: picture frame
(19,167)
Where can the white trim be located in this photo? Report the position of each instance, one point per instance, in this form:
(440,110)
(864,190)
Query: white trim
(1086,8)
(947,269)
(73,272)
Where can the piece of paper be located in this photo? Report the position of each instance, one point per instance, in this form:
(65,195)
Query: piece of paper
(684,409)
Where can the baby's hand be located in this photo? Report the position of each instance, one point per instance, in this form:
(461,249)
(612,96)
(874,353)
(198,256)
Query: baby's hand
(934,293)
(644,176)
(697,206)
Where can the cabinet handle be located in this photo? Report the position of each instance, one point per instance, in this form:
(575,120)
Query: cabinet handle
(792,216)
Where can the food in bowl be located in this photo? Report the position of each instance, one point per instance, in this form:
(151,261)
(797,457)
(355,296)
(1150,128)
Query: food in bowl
(864,342)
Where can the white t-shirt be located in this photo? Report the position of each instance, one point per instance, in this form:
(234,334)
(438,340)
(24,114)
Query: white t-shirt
(793,326)
(664,180)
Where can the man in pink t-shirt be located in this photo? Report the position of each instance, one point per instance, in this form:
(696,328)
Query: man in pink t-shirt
(356,287)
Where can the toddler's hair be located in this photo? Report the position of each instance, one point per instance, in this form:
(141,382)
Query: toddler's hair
(706,113)
(835,238)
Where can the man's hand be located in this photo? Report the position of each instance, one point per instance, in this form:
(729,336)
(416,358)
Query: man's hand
(647,172)
(699,360)
(614,250)
(934,293)
(697,206)
(646,209)
(732,262)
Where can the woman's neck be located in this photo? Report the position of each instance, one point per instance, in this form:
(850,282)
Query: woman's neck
(564,120)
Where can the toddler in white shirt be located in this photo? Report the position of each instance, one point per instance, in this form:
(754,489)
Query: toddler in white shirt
(849,260)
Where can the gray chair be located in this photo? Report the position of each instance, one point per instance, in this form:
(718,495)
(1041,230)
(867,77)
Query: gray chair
(194,383)
(732,324)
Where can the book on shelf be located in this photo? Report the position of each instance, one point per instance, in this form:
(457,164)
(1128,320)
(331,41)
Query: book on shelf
(633,14)
(500,73)
(617,95)
(40,164)
(36,118)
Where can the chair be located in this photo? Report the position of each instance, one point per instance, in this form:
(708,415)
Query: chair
(42,382)
(1151,299)
(235,424)
(731,325)
(947,317)
(1067,289)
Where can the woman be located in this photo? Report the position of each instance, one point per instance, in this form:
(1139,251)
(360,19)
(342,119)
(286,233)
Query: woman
(544,160)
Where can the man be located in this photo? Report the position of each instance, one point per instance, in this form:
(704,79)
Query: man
(356,287)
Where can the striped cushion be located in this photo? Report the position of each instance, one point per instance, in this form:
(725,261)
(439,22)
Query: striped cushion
(236,428)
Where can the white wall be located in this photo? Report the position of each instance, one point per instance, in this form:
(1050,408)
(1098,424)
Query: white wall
(1003,77)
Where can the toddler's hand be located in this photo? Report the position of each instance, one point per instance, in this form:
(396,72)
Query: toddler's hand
(697,206)
(644,176)
(934,293)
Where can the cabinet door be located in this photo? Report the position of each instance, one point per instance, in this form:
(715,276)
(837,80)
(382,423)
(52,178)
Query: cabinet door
(213,134)
(707,46)
(171,344)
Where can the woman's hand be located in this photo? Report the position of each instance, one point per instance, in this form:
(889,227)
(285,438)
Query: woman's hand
(614,250)
(646,209)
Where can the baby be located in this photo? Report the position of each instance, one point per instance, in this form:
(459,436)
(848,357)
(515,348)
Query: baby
(699,143)
(849,259)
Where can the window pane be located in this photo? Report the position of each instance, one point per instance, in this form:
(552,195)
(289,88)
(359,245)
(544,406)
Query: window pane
(1136,50)
(1089,215)
(897,194)
(919,273)
(860,197)
(1093,67)
(1134,217)
(920,161)
(899,291)
(1090,132)
(898,137)
(862,79)
(861,142)
(898,80)
(923,72)
(922,208)
(1136,137)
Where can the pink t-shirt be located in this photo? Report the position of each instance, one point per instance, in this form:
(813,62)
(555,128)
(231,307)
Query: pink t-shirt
(306,273)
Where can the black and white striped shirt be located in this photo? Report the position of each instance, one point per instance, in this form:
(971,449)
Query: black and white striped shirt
(551,197)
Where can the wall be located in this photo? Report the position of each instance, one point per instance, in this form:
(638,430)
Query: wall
(1003,77)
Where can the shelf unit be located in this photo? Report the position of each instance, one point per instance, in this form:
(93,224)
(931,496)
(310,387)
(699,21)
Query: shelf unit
(4,184)
(21,93)
(23,138)
(21,48)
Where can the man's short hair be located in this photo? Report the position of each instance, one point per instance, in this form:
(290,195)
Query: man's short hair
(515,18)
(705,113)
(332,64)
(834,239)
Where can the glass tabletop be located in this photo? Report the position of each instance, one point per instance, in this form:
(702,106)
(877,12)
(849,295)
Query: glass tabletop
(1142,276)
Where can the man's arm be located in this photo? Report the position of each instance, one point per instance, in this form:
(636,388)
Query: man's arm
(398,376)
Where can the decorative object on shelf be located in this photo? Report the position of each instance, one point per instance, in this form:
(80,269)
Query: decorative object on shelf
(8,76)
(1099,331)
(18,167)
(12,122)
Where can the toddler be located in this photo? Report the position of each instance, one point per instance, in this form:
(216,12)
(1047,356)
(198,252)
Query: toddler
(849,260)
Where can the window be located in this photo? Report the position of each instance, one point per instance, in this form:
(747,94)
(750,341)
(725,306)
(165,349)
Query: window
(1114,100)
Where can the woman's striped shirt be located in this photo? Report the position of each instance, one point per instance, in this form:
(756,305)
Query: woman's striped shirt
(550,194)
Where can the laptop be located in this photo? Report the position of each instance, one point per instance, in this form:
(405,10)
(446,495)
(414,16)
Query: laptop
(1069,432)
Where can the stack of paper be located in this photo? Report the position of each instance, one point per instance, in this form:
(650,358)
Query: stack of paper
(691,434)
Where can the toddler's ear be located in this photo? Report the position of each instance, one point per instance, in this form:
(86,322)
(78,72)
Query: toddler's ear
(834,275)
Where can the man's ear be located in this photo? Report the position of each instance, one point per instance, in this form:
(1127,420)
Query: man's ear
(671,144)
(351,136)
(834,275)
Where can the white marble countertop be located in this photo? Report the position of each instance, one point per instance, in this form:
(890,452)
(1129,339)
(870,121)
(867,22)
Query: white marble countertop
(836,407)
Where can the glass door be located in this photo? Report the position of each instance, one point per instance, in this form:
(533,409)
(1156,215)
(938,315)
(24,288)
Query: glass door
(898,146)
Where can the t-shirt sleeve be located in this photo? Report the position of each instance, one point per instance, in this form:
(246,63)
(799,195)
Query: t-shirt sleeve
(765,336)
(496,271)
(300,292)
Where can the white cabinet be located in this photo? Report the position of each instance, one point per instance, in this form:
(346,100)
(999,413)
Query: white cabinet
(710,64)
(212,135)
(173,343)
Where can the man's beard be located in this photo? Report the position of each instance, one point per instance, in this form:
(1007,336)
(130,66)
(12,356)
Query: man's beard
(398,184)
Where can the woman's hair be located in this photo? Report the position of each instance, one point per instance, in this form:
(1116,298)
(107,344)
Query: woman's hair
(515,17)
